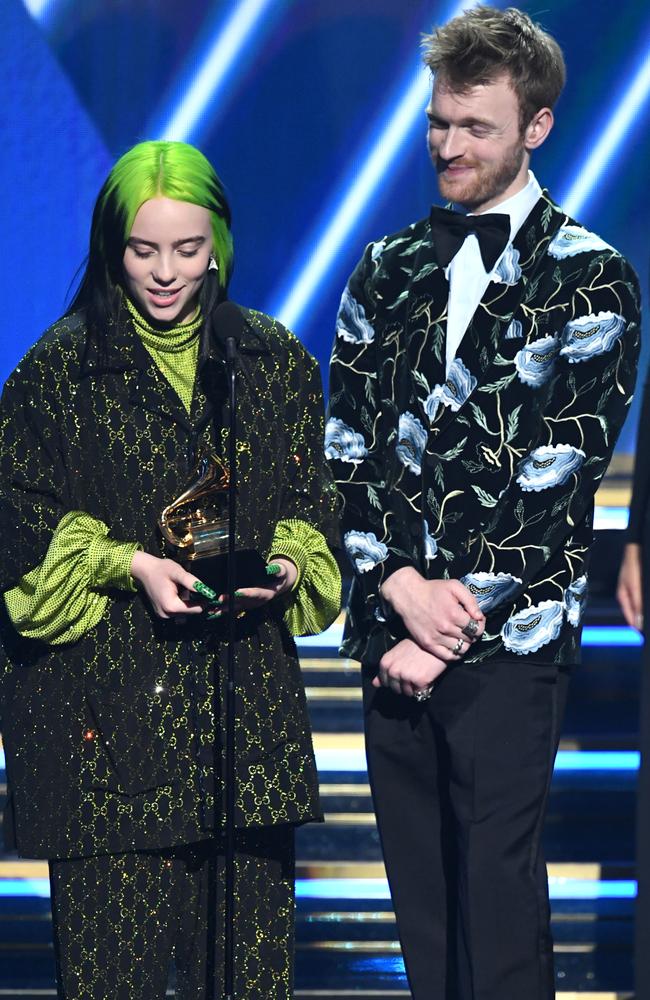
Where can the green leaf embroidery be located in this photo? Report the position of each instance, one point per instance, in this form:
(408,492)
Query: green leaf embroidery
(400,298)
(535,519)
(531,291)
(453,452)
(425,272)
(499,384)
(421,380)
(410,250)
(559,505)
(473,467)
(479,416)
(513,423)
(487,500)
(434,506)
(397,242)
(373,498)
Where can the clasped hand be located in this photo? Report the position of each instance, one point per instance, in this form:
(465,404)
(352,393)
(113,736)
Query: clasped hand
(175,593)
(434,613)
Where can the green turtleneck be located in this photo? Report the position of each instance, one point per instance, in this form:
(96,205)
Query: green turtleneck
(66,595)
(175,350)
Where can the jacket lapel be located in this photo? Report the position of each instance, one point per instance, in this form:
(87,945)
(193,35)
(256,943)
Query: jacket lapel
(425,323)
(515,281)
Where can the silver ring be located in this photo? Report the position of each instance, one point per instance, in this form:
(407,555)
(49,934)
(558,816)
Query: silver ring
(471,628)
(458,648)
(425,693)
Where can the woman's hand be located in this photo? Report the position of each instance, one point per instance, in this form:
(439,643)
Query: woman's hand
(629,591)
(282,574)
(170,588)
(407,669)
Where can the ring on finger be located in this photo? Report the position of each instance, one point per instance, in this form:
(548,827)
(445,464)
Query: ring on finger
(458,648)
(471,628)
(424,693)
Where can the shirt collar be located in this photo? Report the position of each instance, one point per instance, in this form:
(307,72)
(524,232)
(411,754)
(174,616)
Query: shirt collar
(518,206)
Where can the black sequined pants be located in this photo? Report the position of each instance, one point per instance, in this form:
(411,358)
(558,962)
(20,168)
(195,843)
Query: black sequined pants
(121,920)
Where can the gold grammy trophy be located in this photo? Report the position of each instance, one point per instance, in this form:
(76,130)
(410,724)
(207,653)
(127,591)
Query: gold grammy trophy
(195,524)
(195,528)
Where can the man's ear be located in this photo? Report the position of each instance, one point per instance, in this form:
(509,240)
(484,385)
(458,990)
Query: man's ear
(538,128)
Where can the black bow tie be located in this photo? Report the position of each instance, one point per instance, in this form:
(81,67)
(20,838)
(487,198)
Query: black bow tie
(449,230)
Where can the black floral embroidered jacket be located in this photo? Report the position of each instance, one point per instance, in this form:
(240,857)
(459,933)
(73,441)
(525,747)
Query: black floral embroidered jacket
(486,474)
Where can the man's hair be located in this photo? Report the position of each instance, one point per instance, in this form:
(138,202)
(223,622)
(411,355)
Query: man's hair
(153,169)
(484,43)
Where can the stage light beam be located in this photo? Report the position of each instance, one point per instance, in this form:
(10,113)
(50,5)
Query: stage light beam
(377,164)
(38,9)
(215,70)
(625,115)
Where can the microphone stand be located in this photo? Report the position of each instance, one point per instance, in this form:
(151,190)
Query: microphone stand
(230,706)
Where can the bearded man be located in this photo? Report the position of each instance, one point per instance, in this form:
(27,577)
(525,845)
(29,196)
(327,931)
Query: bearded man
(483,366)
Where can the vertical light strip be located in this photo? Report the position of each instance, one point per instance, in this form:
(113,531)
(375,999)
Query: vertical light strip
(376,167)
(214,70)
(361,190)
(624,116)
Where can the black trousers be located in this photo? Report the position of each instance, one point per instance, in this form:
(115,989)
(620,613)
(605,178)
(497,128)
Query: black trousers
(460,785)
(120,920)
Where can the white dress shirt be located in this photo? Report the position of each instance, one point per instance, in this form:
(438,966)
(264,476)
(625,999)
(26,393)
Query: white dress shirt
(468,278)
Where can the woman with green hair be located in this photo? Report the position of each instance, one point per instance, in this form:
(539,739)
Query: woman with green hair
(114,653)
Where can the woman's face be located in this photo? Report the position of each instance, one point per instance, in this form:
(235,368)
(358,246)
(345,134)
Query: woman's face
(166,259)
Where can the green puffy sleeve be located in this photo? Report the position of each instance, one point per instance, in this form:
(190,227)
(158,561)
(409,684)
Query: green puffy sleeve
(64,597)
(315,600)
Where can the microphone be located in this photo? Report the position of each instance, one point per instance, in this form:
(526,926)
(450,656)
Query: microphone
(227,326)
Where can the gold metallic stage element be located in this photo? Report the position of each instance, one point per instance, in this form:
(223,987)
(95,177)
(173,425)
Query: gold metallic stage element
(332,994)
(393,948)
(590,871)
(354,741)
(16,868)
(333,694)
(345,789)
(332,666)
(350,819)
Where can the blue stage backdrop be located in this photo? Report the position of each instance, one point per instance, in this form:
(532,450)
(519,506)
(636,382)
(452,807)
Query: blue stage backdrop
(312,112)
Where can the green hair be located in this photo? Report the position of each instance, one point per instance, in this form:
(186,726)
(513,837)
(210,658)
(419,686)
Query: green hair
(152,169)
(176,170)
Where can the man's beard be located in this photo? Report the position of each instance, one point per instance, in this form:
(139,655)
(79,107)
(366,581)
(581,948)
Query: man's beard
(487,182)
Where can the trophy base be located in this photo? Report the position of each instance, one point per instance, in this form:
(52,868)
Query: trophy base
(250,570)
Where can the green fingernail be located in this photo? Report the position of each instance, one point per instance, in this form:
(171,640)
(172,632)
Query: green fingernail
(214,614)
(204,590)
(273,569)
(239,593)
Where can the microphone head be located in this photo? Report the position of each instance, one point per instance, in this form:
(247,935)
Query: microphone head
(227,324)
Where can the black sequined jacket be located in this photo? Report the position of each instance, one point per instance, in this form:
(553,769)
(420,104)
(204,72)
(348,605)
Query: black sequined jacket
(111,742)
(487,472)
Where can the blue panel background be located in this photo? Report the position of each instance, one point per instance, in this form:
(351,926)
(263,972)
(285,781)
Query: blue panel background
(306,97)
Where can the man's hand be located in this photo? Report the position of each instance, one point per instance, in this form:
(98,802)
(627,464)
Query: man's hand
(629,591)
(434,612)
(406,668)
